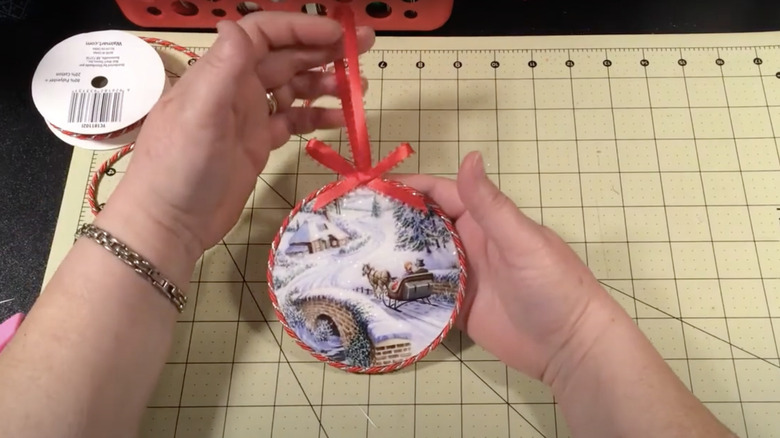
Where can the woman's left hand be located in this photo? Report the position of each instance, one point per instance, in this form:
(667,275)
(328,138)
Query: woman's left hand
(201,148)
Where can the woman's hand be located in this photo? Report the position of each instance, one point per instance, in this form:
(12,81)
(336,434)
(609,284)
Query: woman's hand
(201,148)
(536,306)
(527,290)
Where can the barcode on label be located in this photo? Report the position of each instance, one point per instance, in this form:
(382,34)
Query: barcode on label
(88,106)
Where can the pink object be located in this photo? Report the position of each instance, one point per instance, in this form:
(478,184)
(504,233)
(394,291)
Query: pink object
(8,328)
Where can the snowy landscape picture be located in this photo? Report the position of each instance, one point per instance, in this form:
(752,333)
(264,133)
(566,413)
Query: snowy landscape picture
(366,281)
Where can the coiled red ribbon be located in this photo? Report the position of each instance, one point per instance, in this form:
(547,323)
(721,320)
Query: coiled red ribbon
(361,172)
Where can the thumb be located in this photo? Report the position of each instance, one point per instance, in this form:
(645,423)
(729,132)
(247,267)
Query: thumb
(232,49)
(491,209)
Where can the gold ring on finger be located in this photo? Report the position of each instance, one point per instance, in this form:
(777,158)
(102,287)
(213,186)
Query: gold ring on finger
(273,104)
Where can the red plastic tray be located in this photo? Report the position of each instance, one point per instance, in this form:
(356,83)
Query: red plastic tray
(391,15)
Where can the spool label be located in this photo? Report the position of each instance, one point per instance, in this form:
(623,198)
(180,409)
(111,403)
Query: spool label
(98,82)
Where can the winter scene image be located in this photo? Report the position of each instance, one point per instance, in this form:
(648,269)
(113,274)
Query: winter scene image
(366,281)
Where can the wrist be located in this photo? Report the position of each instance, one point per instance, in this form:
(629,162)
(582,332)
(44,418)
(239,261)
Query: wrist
(165,246)
(610,381)
(601,317)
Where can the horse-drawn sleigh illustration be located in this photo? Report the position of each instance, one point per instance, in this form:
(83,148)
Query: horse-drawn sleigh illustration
(415,285)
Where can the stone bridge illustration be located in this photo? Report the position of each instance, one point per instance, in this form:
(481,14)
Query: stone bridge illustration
(363,328)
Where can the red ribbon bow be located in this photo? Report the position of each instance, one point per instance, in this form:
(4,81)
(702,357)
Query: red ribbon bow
(361,173)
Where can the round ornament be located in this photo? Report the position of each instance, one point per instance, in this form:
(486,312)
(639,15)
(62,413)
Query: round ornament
(367,283)
(366,274)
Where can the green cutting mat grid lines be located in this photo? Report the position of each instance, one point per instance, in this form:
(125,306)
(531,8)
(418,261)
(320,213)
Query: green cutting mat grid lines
(661,169)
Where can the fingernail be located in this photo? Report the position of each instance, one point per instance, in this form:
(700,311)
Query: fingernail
(479,164)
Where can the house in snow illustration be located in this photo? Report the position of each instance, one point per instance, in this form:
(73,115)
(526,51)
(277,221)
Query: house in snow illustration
(314,235)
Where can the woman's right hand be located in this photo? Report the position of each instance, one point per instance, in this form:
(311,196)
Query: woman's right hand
(529,296)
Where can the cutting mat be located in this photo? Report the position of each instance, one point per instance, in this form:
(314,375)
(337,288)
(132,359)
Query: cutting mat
(655,157)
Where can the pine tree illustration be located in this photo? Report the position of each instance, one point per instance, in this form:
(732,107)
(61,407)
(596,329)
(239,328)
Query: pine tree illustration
(432,229)
(413,229)
(358,352)
(442,233)
(323,330)
(376,210)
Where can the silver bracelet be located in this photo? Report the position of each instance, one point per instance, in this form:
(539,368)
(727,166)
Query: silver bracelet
(135,261)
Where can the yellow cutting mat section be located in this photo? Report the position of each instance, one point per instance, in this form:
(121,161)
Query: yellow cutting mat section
(655,157)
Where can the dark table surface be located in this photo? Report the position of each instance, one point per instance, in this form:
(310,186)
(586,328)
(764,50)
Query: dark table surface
(33,164)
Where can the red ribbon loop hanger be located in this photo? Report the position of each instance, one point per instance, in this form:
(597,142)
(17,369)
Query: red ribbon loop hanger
(360,172)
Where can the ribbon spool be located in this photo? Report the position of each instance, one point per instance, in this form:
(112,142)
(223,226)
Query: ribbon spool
(366,274)
(60,59)
(95,89)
